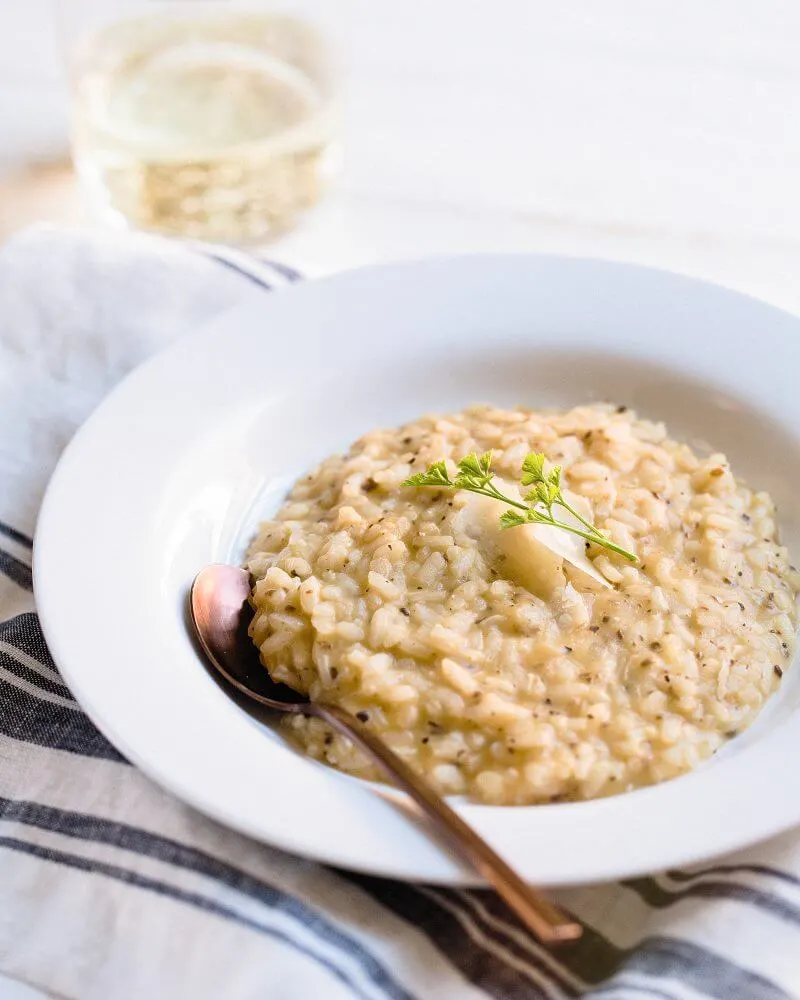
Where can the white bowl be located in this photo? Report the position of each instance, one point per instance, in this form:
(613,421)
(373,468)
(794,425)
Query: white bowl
(173,470)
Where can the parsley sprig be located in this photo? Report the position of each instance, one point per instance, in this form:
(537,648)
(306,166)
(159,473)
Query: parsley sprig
(541,501)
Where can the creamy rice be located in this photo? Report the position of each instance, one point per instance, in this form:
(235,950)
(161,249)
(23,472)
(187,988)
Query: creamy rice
(377,598)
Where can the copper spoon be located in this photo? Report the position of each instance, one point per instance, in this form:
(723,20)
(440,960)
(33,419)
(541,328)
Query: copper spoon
(221,613)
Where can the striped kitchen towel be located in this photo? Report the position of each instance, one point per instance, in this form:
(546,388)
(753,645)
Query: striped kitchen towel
(112,890)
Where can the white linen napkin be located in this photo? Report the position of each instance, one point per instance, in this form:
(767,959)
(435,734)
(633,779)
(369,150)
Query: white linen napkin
(110,889)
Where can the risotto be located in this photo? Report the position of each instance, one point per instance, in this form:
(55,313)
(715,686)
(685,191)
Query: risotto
(389,601)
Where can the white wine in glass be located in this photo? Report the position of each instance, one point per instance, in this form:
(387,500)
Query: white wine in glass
(211,125)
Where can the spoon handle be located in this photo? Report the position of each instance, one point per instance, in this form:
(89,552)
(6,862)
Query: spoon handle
(547,922)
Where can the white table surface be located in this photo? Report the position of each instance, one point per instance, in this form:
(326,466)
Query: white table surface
(660,131)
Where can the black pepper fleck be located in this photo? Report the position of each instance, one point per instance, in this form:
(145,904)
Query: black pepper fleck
(362,716)
(406,612)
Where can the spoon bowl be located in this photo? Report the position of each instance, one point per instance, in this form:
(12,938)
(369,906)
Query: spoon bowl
(221,615)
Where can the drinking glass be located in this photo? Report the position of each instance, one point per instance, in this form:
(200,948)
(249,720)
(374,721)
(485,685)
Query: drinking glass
(213,120)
